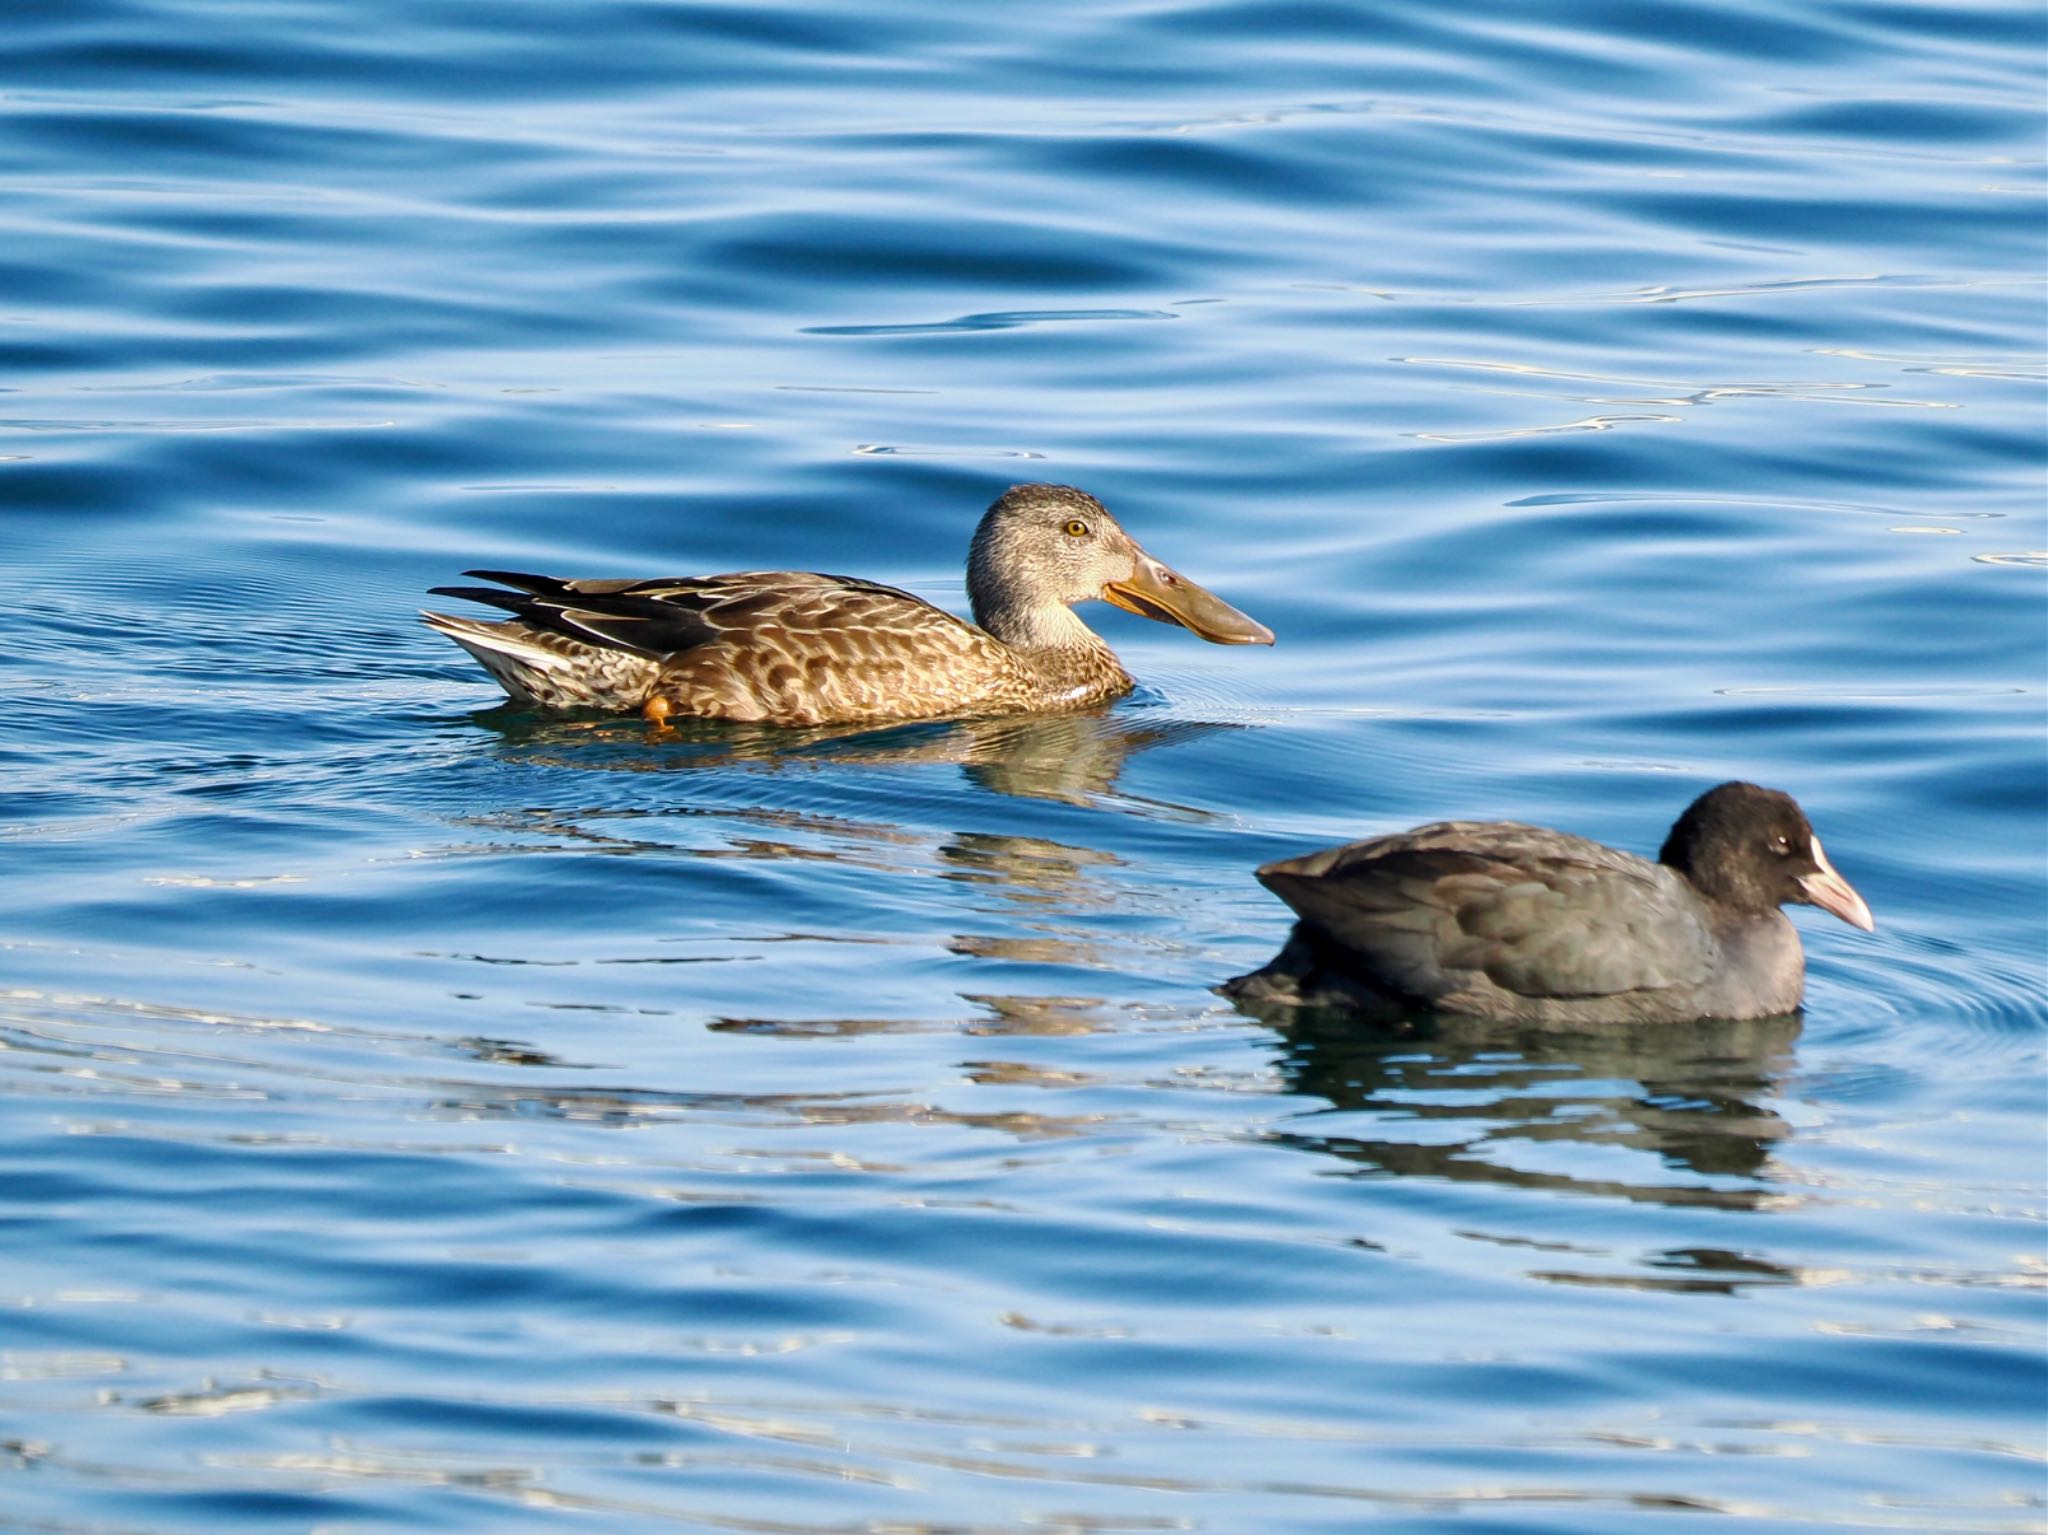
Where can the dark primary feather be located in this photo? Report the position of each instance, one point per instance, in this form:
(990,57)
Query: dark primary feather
(662,616)
(700,607)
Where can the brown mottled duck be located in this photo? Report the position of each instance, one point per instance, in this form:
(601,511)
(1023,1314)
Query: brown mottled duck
(796,648)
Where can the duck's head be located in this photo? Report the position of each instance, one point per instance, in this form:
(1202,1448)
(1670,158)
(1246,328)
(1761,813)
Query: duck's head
(1042,548)
(1753,849)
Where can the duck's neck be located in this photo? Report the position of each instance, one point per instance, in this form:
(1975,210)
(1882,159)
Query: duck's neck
(1050,638)
(1034,626)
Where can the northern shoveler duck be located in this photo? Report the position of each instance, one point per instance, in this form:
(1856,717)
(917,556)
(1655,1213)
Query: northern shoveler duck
(1494,919)
(796,648)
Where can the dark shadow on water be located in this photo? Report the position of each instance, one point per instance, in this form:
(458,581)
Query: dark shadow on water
(1072,758)
(1547,1108)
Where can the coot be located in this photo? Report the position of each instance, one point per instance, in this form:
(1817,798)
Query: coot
(1495,919)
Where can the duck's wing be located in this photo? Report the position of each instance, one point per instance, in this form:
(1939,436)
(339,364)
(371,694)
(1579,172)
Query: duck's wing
(1537,913)
(789,647)
(662,617)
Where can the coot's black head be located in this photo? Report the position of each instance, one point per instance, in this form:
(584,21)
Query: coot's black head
(1752,849)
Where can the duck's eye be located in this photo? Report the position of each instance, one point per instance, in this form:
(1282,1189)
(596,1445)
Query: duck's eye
(1075,528)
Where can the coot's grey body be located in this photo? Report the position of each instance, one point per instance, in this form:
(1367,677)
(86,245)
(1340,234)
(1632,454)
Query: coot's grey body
(1497,919)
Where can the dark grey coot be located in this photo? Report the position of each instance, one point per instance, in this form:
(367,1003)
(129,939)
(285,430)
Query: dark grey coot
(1494,919)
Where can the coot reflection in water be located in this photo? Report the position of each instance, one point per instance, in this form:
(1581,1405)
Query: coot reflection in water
(1458,1098)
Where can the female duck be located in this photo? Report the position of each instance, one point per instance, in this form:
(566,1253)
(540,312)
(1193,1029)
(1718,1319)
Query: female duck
(797,648)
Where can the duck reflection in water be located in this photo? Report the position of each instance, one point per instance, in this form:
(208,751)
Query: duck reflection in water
(1075,759)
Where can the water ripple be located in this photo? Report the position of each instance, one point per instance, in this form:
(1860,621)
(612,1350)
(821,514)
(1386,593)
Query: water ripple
(1011,320)
(416,1112)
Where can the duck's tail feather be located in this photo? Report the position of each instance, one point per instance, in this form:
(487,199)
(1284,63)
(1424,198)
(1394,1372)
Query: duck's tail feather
(537,667)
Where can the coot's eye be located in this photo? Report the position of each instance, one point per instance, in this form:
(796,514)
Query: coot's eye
(1781,844)
(1076,528)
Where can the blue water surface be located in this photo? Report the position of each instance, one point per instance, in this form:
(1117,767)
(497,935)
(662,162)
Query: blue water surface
(418,1115)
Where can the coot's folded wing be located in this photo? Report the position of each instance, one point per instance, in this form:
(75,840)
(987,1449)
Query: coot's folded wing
(1538,913)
